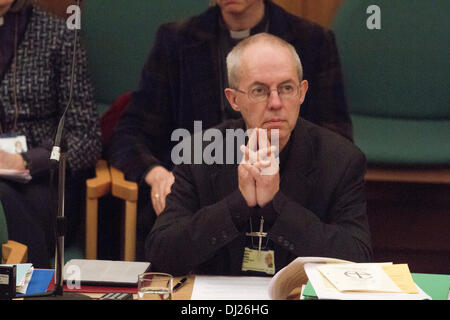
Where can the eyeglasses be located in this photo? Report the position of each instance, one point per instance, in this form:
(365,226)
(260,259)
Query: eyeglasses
(261,92)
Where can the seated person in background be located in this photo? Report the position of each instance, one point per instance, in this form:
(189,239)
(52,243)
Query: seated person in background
(312,204)
(184,80)
(35,79)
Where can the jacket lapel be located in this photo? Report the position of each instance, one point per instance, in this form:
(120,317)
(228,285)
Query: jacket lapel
(296,182)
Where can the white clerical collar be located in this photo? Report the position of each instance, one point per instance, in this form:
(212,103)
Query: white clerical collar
(239,34)
(2,21)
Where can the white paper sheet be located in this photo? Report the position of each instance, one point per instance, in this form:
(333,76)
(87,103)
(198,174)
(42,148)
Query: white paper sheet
(230,288)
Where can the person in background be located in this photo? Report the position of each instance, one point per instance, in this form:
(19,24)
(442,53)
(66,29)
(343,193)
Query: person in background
(184,80)
(310,203)
(36,54)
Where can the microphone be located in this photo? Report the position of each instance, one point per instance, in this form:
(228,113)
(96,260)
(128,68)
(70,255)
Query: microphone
(58,161)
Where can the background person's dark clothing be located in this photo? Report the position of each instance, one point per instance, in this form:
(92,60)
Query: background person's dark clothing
(42,83)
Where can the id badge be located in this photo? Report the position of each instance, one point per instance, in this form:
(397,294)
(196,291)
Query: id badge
(14,144)
(259,260)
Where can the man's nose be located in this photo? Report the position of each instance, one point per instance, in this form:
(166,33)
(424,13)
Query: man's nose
(274,100)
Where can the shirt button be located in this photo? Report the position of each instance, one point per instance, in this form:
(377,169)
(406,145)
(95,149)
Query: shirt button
(280,239)
(286,243)
(213,240)
(224,235)
(291,247)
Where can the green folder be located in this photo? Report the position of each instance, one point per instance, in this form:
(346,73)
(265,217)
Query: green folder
(436,286)
(309,293)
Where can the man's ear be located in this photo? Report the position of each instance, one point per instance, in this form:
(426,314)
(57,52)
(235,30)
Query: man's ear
(231,97)
(303,89)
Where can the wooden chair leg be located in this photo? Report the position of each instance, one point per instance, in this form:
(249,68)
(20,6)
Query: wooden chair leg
(130,231)
(95,188)
(127,191)
(91,228)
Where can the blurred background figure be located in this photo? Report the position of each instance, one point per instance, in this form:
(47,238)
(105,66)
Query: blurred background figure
(37,54)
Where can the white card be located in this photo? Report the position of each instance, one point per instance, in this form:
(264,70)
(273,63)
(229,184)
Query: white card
(16,144)
(358,277)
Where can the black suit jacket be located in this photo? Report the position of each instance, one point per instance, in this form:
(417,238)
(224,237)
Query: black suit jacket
(181,83)
(320,209)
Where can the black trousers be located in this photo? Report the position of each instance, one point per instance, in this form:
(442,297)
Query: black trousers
(30,214)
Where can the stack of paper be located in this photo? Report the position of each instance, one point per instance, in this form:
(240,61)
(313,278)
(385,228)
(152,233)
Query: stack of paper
(23,277)
(330,278)
(360,281)
(24,271)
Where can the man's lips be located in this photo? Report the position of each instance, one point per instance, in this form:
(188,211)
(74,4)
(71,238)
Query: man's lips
(274,121)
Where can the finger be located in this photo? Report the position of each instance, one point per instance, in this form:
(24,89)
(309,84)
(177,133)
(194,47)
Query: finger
(253,139)
(154,203)
(243,173)
(263,141)
(168,188)
(252,145)
(273,169)
(166,192)
(158,207)
(275,140)
(156,199)
(262,164)
(245,154)
(250,156)
(169,182)
(158,210)
(162,203)
(252,170)
(266,153)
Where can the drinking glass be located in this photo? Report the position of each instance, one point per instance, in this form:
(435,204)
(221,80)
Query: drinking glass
(155,286)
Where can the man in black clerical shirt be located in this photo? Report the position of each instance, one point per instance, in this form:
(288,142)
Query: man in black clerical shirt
(256,216)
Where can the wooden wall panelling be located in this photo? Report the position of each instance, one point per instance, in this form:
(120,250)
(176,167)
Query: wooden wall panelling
(320,11)
(58,7)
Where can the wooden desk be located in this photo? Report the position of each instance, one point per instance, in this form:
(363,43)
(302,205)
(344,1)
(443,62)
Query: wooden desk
(185,292)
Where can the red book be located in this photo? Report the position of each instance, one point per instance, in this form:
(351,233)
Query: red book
(94,289)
